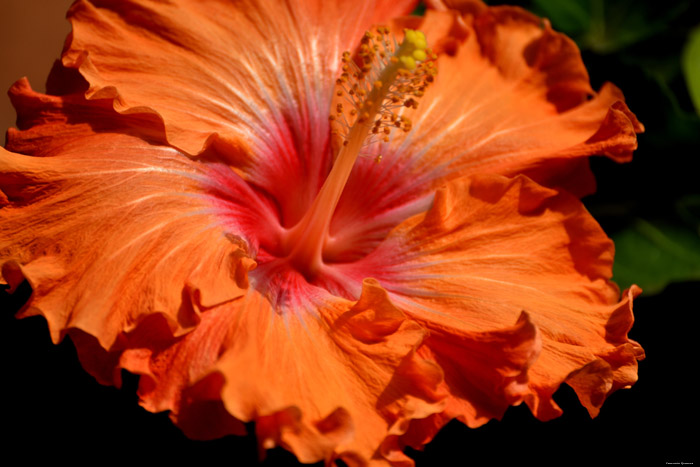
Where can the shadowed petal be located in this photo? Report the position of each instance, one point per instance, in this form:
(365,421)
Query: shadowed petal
(48,123)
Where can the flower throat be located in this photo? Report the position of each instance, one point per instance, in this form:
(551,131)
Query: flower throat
(376,88)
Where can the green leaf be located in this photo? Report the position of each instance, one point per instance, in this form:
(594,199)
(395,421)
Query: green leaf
(653,255)
(420,10)
(621,23)
(571,17)
(607,26)
(688,209)
(691,66)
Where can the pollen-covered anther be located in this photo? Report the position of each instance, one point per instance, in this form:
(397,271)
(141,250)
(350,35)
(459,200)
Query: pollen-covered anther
(410,103)
(384,79)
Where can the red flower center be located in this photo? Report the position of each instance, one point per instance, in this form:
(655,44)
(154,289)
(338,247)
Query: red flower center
(385,80)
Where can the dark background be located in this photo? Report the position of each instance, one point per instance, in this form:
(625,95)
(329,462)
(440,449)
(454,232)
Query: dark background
(52,409)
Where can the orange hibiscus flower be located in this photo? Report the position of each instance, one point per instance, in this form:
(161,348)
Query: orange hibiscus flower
(183,207)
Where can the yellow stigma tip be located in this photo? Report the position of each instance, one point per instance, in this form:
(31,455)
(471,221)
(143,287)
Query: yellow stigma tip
(413,49)
(408,62)
(416,39)
(419,55)
(410,35)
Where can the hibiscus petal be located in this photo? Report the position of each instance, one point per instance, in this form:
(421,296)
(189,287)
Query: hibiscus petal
(489,249)
(109,229)
(258,75)
(339,380)
(512,96)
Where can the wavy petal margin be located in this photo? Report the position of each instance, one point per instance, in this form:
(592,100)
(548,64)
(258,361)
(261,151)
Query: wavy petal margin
(494,251)
(106,241)
(108,228)
(330,383)
(511,96)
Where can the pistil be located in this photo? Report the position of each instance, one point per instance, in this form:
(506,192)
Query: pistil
(389,78)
